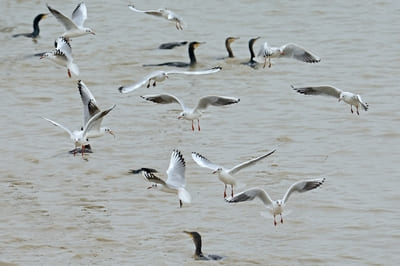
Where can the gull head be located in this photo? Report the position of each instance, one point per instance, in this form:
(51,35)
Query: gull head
(219,170)
(182,115)
(89,31)
(45,55)
(341,97)
(152,186)
(109,131)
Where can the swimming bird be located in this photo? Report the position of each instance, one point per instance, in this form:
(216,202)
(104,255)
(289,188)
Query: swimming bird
(80,137)
(74,27)
(289,50)
(276,206)
(171,45)
(161,75)
(252,63)
(226,175)
(36,30)
(62,55)
(162,12)
(198,254)
(228,42)
(192,56)
(196,112)
(327,90)
(175,182)
(90,109)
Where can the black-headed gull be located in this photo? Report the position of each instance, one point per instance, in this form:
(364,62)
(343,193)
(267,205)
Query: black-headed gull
(327,90)
(74,27)
(162,12)
(175,182)
(289,50)
(252,63)
(192,113)
(36,30)
(161,75)
(198,253)
(192,57)
(224,174)
(80,137)
(62,55)
(276,206)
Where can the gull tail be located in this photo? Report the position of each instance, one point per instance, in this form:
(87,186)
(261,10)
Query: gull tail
(184,195)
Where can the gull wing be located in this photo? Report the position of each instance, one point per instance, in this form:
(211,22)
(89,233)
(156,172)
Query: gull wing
(64,47)
(295,51)
(95,121)
(363,104)
(149,176)
(149,12)
(60,126)
(204,162)
(302,186)
(65,21)
(215,101)
(163,99)
(140,83)
(87,97)
(251,194)
(79,15)
(198,72)
(176,170)
(238,167)
(319,90)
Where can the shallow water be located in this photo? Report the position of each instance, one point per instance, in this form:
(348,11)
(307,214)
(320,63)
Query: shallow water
(60,209)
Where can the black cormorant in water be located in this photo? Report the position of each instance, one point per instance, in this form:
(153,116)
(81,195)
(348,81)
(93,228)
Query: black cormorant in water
(252,63)
(198,254)
(228,42)
(36,29)
(171,45)
(193,61)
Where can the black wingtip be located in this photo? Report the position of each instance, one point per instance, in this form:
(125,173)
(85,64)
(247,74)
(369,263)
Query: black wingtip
(120,89)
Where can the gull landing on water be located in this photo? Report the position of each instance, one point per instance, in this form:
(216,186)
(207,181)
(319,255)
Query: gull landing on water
(159,76)
(348,97)
(226,175)
(162,12)
(289,50)
(276,206)
(175,182)
(62,55)
(74,27)
(196,112)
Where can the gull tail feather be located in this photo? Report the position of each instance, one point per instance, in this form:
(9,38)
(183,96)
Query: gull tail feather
(74,68)
(184,195)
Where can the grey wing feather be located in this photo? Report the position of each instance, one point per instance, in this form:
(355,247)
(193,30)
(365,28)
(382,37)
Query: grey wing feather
(319,90)
(238,167)
(203,161)
(251,194)
(149,176)
(89,102)
(198,72)
(215,101)
(59,125)
(79,15)
(163,99)
(149,12)
(363,104)
(302,186)
(95,121)
(67,23)
(140,83)
(299,53)
(176,170)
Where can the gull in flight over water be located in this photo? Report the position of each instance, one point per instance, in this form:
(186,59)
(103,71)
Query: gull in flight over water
(81,137)
(90,109)
(289,50)
(62,55)
(161,75)
(276,206)
(162,12)
(226,175)
(198,253)
(74,27)
(348,97)
(192,113)
(175,182)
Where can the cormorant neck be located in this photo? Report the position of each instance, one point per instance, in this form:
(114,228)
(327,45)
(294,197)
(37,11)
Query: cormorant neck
(229,49)
(251,44)
(192,56)
(36,29)
(198,251)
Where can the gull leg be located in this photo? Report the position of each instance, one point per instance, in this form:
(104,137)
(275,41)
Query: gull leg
(225,192)
(265,62)
(357,110)
(192,126)
(281,219)
(274,220)
(351,108)
(148,84)
(269,62)
(69,73)
(198,124)
(82,149)
(154,83)
(232,191)
(180,204)
(75,151)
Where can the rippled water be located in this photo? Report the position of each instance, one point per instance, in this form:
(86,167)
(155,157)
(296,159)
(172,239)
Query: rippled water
(60,209)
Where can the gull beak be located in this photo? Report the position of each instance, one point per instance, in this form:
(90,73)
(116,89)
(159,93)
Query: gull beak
(215,171)
(180,117)
(339,100)
(93,33)
(112,133)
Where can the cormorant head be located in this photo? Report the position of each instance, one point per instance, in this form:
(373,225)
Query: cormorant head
(231,39)
(194,45)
